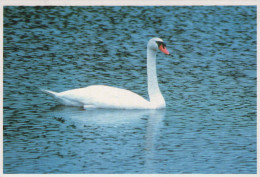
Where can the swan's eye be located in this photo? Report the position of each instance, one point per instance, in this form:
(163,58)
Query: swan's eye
(159,43)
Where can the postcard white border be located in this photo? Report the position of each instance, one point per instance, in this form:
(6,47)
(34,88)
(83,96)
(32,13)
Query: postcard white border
(124,3)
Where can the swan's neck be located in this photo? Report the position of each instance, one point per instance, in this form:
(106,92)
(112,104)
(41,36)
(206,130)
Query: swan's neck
(156,98)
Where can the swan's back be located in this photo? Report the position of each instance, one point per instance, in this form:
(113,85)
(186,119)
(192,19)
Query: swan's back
(101,96)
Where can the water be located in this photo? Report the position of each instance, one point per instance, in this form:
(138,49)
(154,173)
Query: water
(209,84)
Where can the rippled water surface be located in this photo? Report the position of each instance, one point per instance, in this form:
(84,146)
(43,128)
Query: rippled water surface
(209,84)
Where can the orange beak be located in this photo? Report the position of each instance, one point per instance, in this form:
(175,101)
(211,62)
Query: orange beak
(163,49)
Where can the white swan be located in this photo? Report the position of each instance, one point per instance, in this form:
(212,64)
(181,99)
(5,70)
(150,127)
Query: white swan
(101,96)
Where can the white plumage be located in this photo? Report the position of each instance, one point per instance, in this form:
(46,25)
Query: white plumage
(101,96)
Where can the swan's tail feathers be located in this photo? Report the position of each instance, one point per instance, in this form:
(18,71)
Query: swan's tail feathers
(61,99)
(54,94)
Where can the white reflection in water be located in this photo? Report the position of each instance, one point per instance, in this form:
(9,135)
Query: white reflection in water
(153,125)
(116,117)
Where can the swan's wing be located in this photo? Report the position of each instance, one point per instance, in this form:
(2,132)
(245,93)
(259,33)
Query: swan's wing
(105,97)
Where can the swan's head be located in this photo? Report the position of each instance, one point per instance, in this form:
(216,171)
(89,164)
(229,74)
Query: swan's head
(157,43)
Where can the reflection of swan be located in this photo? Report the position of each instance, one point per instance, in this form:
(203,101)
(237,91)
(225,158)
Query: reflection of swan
(106,116)
(117,133)
(153,127)
(100,116)
(100,96)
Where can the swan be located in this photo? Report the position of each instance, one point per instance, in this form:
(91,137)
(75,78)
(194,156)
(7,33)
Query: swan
(101,96)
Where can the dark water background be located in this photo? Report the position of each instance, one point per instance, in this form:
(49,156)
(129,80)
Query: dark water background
(209,84)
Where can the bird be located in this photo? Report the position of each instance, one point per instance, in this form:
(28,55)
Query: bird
(102,96)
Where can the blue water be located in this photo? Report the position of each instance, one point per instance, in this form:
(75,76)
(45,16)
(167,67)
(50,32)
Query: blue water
(208,81)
